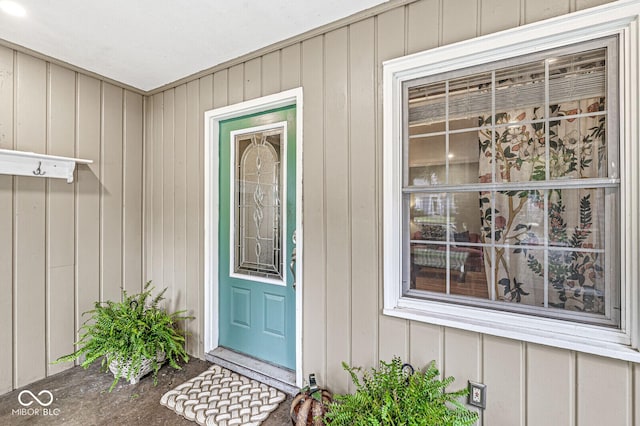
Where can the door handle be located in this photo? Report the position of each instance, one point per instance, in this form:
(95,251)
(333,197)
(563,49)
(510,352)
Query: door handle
(292,264)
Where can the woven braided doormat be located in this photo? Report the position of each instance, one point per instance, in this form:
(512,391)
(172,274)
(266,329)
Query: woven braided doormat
(220,397)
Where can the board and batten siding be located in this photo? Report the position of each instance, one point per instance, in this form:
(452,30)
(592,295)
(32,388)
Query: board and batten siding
(64,246)
(340,72)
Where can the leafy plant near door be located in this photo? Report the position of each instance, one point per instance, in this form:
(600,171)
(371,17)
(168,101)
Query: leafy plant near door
(390,396)
(133,337)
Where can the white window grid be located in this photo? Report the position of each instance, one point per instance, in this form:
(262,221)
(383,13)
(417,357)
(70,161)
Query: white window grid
(611,184)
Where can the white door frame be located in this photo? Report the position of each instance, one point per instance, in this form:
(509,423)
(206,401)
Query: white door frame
(212,120)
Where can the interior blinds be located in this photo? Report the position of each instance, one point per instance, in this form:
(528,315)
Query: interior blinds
(570,78)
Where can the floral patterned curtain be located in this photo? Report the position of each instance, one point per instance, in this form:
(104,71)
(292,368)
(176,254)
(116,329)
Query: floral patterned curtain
(562,243)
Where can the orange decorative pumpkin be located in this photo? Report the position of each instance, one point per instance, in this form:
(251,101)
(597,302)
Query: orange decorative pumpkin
(310,405)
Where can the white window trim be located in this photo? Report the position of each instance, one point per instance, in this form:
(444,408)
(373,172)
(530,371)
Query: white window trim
(621,18)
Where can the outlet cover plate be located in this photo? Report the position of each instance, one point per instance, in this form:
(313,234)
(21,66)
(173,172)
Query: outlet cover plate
(477,394)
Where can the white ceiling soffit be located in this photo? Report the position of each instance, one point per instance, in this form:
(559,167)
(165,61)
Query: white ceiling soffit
(149,43)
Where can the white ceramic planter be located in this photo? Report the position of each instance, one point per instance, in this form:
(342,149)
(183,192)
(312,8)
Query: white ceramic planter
(145,368)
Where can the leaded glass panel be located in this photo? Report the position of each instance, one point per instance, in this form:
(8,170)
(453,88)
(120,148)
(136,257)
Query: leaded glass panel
(258,209)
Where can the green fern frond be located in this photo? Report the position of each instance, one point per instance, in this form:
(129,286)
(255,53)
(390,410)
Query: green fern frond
(388,396)
(131,331)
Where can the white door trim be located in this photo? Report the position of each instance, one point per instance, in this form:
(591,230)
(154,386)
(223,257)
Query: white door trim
(212,120)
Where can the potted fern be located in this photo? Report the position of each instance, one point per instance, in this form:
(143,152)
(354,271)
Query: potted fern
(133,337)
(391,395)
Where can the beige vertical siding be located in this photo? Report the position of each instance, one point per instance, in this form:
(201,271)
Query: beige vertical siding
(314,218)
(207,101)
(180,199)
(390,43)
(60,220)
(603,380)
(290,67)
(235,89)
(270,74)
(496,15)
(168,197)
(503,372)
(173,198)
(6,223)
(551,386)
(132,184)
(426,344)
(111,193)
(459,20)
(463,355)
(253,78)
(535,10)
(29,290)
(63,245)
(363,193)
(340,72)
(337,206)
(423,25)
(88,199)
(194,293)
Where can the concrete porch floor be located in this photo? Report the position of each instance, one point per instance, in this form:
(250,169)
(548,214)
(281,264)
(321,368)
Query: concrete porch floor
(81,397)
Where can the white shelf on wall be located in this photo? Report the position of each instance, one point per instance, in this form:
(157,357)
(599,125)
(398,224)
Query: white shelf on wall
(23,163)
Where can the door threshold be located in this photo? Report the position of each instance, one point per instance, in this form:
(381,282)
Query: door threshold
(275,376)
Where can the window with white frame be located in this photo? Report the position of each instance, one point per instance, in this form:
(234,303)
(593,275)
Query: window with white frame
(505,184)
(510,198)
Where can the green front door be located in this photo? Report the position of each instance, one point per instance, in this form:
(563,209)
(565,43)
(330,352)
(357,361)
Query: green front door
(256,235)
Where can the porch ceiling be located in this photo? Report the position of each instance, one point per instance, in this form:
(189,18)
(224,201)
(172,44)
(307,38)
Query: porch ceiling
(149,43)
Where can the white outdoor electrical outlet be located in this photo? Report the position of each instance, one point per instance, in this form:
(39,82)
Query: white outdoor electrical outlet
(477,394)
